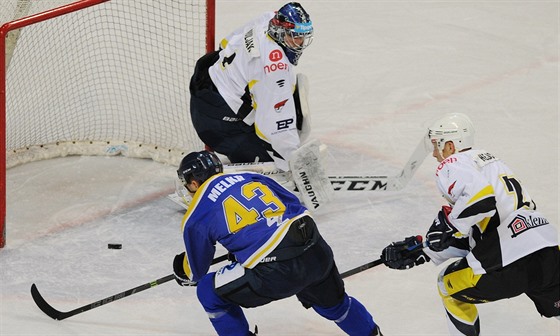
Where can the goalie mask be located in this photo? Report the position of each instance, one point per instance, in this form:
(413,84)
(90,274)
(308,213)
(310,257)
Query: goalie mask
(292,29)
(199,166)
(456,127)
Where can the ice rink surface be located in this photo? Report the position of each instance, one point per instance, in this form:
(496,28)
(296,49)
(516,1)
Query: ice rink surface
(379,72)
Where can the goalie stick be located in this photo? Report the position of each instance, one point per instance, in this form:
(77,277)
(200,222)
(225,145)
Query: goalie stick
(354,182)
(384,183)
(339,182)
(350,182)
(59,315)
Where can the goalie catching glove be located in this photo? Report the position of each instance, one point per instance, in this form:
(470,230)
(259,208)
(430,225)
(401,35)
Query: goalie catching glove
(179,271)
(404,254)
(440,234)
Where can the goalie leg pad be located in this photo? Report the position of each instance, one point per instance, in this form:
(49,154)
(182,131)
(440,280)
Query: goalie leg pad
(310,177)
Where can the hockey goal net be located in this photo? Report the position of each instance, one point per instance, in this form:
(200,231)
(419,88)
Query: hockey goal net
(98,77)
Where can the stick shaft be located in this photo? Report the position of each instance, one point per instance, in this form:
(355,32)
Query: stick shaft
(377,262)
(59,315)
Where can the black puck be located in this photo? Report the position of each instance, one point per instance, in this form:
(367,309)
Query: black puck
(114,246)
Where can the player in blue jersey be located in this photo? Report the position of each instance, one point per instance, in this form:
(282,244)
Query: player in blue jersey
(277,248)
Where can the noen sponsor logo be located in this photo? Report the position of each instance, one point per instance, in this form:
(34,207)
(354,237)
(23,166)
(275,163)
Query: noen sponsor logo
(275,56)
(444,162)
(275,66)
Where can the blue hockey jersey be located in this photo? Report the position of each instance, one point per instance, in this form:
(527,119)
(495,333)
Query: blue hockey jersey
(247,213)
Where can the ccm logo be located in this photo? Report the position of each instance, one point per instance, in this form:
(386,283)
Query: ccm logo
(283,124)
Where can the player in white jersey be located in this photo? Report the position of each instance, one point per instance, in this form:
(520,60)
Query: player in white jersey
(506,247)
(276,245)
(244,101)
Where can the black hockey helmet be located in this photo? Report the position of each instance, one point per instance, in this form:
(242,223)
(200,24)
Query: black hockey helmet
(199,166)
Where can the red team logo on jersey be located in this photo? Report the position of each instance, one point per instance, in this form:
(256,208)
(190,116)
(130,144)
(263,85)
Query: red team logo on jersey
(451,188)
(518,225)
(275,56)
(279,106)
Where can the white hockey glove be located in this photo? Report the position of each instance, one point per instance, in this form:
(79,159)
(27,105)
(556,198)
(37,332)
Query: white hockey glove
(440,234)
(179,272)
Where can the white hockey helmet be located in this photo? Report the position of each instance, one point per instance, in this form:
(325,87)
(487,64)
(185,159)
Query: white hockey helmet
(456,127)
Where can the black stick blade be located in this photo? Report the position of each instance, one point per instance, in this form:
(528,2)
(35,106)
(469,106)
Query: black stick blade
(44,306)
(58,315)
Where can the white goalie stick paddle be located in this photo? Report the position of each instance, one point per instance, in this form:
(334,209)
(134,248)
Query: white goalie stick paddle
(381,182)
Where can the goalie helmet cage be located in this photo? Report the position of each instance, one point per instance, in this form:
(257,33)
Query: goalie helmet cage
(98,77)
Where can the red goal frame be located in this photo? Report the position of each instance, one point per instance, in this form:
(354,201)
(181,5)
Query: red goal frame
(32,19)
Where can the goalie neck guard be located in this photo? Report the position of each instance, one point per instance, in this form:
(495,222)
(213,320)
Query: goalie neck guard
(456,127)
(199,166)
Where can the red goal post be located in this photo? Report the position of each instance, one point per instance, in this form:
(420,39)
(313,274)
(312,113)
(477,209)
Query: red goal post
(98,77)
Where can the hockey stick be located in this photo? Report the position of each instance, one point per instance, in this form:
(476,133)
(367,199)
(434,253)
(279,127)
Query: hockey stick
(377,262)
(339,183)
(387,183)
(361,268)
(350,182)
(59,315)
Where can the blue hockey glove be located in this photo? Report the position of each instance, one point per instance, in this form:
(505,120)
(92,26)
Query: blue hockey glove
(440,234)
(179,272)
(404,254)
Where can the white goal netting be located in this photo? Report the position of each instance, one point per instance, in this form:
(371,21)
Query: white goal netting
(109,79)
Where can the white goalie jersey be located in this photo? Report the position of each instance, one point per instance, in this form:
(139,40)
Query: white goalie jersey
(250,60)
(492,210)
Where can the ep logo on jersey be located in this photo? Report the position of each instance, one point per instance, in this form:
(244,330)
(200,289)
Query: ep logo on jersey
(283,124)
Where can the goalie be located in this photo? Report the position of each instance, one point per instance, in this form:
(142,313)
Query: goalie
(244,100)
(505,247)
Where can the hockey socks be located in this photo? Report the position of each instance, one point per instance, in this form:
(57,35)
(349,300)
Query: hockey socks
(227,319)
(350,316)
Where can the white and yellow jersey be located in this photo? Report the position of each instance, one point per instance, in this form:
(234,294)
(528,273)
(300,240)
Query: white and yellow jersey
(493,209)
(251,62)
